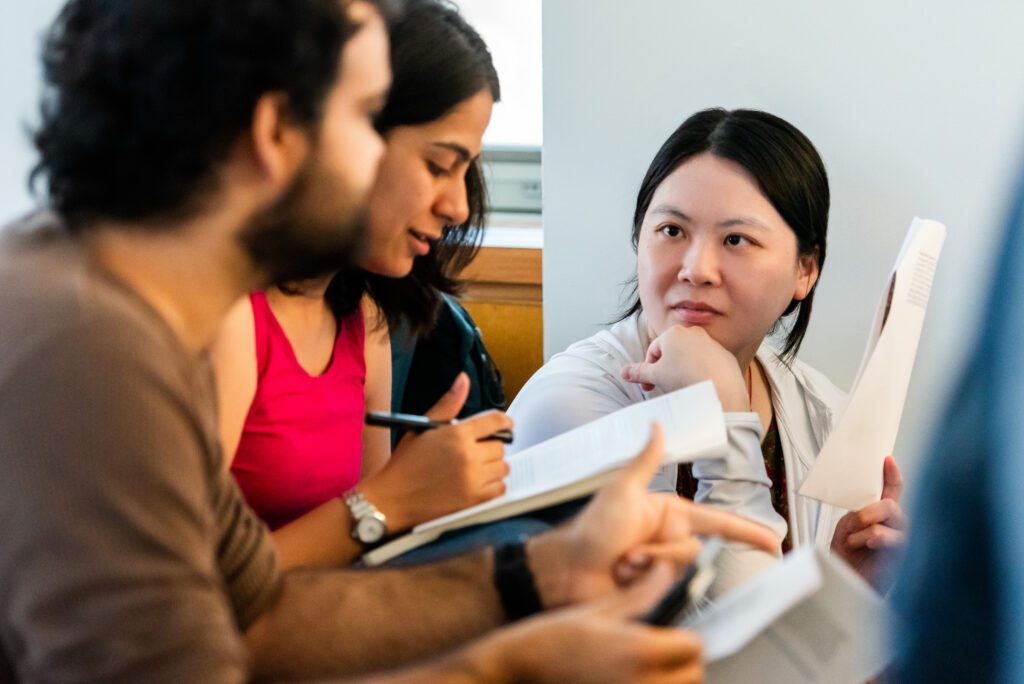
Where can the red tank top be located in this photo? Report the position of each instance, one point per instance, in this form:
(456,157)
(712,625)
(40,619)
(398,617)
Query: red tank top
(301,444)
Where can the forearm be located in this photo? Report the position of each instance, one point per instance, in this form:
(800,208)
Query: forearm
(476,663)
(321,538)
(332,623)
(739,484)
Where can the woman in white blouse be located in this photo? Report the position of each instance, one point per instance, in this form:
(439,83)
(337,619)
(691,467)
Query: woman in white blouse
(730,234)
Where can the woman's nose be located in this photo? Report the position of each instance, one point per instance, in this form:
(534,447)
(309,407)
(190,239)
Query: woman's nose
(453,203)
(700,265)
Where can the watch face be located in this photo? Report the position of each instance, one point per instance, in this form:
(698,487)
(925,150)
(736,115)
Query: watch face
(370,530)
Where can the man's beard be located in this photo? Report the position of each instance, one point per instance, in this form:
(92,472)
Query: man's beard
(299,237)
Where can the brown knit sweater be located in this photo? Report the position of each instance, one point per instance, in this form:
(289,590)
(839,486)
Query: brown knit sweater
(126,550)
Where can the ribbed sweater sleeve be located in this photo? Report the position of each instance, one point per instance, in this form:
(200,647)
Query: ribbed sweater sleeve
(127,553)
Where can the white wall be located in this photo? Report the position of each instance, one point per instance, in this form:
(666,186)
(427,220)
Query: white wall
(915,107)
(20,43)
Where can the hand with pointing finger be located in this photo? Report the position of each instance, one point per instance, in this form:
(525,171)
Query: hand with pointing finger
(626,530)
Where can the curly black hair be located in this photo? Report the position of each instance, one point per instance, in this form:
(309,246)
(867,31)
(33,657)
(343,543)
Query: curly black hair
(143,99)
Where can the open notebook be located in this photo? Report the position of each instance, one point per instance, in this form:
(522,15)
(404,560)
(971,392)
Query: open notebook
(579,462)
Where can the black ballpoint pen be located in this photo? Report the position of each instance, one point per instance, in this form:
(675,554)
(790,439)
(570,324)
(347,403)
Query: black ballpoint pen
(688,590)
(407,421)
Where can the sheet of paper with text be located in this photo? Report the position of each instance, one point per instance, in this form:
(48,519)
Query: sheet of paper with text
(691,419)
(809,618)
(848,471)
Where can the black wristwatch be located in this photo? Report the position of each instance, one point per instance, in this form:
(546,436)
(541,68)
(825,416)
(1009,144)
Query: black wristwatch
(514,581)
(369,526)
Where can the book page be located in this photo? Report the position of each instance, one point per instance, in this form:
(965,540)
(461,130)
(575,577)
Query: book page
(691,419)
(743,613)
(848,470)
(808,619)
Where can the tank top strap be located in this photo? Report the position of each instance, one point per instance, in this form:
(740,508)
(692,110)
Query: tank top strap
(264,325)
(349,344)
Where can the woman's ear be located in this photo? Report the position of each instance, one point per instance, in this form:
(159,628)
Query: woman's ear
(280,146)
(807,274)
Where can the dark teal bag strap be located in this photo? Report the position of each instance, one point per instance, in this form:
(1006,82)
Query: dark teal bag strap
(478,362)
(423,370)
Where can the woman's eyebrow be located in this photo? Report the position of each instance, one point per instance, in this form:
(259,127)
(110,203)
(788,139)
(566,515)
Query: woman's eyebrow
(458,149)
(663,209)
(744,221)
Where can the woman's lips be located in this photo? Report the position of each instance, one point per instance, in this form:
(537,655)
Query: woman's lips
(694,313)
(421,243)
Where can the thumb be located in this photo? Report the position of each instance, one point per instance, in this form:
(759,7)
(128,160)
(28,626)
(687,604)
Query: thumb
(643,594)
(654,351)
(892,480)
(452,401)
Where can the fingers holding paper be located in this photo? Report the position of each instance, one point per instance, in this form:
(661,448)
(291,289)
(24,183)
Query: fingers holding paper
(892,480)
(866,538)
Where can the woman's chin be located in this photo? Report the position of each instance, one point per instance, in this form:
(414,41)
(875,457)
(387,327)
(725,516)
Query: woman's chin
(390,269)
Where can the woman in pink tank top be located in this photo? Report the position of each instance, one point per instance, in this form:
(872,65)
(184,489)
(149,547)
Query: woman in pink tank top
(301,444)
(291,365)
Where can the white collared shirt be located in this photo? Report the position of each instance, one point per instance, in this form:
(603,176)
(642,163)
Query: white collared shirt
(583,383)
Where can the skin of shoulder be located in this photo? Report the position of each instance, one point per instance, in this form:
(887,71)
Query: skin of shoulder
(233,354)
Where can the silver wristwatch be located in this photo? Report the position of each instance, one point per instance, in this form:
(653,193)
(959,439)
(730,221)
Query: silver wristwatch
(369,526)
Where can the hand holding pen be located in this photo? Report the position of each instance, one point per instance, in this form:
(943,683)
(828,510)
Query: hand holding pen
(442,469)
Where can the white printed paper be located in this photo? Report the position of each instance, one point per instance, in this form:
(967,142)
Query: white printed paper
(691,419)
(809,618)
(848,471)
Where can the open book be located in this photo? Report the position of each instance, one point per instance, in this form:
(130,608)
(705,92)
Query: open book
(579,462)
(809,618)
(848,471)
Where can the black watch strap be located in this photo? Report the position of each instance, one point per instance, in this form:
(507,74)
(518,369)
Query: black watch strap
(514,581)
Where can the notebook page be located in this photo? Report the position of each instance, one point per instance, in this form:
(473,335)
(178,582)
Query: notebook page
(691,419)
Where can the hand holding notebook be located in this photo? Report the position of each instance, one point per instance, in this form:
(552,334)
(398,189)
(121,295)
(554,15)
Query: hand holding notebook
(579,462)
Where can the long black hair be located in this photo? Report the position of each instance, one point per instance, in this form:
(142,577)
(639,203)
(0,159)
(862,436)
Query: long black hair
(786,167)
(438,61)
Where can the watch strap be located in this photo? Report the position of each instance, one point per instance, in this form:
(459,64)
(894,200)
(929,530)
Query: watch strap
(514,581)
(357,504)
(360,509)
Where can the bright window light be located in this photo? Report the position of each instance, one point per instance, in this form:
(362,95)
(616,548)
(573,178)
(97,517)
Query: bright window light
(511,29)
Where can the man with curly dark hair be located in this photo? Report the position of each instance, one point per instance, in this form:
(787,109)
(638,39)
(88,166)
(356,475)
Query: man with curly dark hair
(193,150)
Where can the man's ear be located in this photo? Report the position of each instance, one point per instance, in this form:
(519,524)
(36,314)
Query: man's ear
(807,274)
(280,146)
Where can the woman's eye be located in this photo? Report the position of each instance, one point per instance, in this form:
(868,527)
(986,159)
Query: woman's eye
(735,240)
(671,231)
(436,170)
